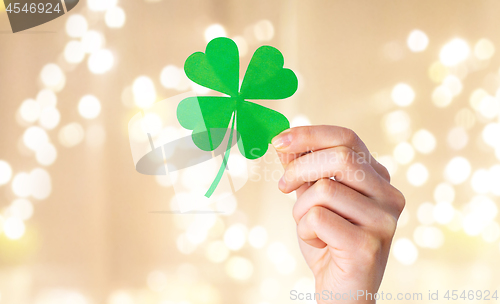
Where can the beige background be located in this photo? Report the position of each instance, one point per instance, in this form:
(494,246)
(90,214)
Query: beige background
(95,234)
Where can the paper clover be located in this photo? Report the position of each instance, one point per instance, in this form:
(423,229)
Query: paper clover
(210,116)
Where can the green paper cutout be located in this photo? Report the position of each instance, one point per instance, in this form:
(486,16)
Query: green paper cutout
(209,116)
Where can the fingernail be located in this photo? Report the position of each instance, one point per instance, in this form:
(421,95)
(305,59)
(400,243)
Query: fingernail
(283,140)
(282,183)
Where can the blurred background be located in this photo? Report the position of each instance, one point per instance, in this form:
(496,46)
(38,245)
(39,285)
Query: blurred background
(418,80)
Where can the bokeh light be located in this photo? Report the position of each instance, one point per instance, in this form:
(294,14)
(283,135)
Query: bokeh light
(484,49)
(92,41)
(454,52)
(74,52)
(76,26)
(115,17)
(71,134)
(214,31)
(417,41)
(263,30)
(404,153)
(52,76)
(100,61)
(457,170)
(257,237)
(89,107)
(402,94)
(30,110)
(442,96)
(424,141)
(235,236)
(46,154)
(49,118)
(13,228)
(405,251)
(5,172)
(144,92)
(239,268)
(34,137)
(417,174)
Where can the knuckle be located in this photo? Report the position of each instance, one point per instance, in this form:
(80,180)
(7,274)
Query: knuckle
(343,155)
(399,201)
(314,216)
(324,189)
(350,138)
(370,249)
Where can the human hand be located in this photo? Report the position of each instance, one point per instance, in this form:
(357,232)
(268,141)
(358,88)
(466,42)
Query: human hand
(345,226)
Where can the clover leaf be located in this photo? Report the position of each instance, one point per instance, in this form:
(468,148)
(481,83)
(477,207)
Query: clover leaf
(209,116)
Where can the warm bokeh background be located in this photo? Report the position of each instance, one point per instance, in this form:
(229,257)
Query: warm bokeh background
(417,80)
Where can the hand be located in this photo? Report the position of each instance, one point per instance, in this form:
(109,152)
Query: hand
(345,225)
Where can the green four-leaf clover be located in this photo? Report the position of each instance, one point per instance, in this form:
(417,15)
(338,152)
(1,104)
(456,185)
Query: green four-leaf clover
(209,116)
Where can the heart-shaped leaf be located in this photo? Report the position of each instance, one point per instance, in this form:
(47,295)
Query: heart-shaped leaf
(266,78)
(217,68)
(257,125)
(208,117)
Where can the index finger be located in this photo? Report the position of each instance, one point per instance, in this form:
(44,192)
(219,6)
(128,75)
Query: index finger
(295,142)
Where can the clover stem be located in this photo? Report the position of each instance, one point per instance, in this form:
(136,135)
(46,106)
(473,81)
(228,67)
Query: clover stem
(217,179)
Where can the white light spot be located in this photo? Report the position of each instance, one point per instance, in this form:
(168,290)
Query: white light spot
(30,110)
(115,17)
(403,153)
(454,84)
(444,193)
(457,170)
(157,281)
(214,31)
(71,135)
(5,172)
(242,45)
(442,96)
(484,49)
(74,52)
(89,107)
(454,52)
(46,98)
(41,184)
(417,41)
(443,213)
(425,213)
(20,208)
(239,268)
(417,174)
(13,228)
(480,181)
(457,138)
(300,121)
(21,184)
(34,137)
(76,26)
(405,251)
(144,92)
(100,61)
(217,252)
(170,77)
(235,236)
(402,95)
(52,76)
(101,5)
(92,41)
(50,118)
(257,237)
(46,154)
(263,30)
(424,141)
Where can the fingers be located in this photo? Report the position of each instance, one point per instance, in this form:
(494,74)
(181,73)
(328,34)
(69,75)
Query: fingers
(341,163)
(295,142)
(342,200)
(320,227)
